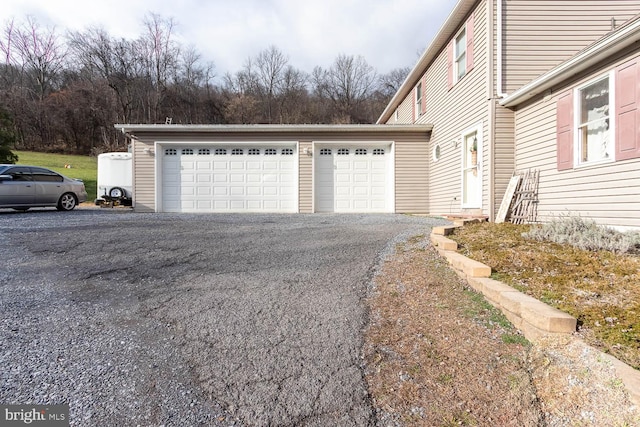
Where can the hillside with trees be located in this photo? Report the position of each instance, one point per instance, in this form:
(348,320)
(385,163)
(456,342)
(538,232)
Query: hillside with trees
(63,92)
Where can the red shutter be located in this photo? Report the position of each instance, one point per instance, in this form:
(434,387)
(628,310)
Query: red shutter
(627,98)
(450,64)
(470,43)
(564,123)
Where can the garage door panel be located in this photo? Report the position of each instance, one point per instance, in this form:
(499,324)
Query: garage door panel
(254,191)
(229,177)
(353,178)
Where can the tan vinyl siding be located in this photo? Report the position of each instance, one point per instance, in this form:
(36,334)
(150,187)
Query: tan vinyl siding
(305,178)
(609,193)
(504,149)
(143,176)
(412,176)
(541,34)
(410,167)
(451,112)
(405,111)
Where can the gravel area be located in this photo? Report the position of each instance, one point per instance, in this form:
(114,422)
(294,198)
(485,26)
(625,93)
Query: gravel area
(179,320)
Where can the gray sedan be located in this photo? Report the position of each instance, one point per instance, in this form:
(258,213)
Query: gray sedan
(24,187)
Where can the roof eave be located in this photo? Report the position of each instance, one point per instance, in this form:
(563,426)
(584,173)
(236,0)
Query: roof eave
(442,37)
(610,44)
(133,128)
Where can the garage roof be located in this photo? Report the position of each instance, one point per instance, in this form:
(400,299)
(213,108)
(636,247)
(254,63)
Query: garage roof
(138,128)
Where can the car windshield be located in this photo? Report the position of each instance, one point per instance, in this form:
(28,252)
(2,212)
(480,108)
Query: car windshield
(4,168)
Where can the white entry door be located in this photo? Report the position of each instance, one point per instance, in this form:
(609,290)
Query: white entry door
(472,170)
(229,178)
(353,178)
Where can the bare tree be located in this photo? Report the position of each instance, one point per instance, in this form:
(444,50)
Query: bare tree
(39,53)
(270,67)
(347,84)
(388,84)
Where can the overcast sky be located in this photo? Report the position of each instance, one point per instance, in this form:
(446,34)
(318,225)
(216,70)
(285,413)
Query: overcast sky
(388,33)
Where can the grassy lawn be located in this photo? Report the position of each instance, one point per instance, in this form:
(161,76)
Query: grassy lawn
(82,167)
(599,288)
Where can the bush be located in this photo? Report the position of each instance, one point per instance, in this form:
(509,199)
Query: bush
(585,234)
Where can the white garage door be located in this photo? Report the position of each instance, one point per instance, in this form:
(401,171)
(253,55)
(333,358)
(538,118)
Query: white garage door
(229,178)
(353,178)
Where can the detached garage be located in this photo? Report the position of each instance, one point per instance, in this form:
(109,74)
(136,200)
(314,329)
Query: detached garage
(280,168)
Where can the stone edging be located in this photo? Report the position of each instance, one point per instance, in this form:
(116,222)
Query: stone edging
(533,318)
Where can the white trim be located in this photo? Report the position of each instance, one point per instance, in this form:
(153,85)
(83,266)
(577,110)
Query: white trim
(456,55)
(477,129)
(577,151)
(499,89)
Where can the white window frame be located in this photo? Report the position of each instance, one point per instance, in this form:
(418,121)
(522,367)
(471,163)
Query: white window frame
(419,93)
(577,132)
(459,57)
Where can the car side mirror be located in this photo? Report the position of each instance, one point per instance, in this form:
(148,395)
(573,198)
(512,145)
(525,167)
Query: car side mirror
(6,178)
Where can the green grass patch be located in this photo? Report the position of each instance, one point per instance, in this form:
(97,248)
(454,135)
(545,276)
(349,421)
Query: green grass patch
(82,167)
(597,287)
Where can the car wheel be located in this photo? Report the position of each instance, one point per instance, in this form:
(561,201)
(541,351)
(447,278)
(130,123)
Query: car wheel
(116,192)
(67,202)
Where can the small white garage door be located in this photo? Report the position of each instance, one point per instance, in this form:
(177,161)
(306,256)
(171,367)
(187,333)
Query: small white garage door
(353,178)
(229,178)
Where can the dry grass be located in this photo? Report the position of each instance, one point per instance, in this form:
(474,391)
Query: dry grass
(438,354)
(600,288)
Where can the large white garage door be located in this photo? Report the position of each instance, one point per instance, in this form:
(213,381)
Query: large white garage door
(229,178)
(353,178)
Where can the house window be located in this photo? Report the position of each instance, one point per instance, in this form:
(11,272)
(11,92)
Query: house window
(419,99)
(187,151)
(237,151)
(361,151)
(594,138)
(460,55)
(378,151)
(287,151)
(343,151)
(254,151)
(203,151)
(220,151)
(325,151)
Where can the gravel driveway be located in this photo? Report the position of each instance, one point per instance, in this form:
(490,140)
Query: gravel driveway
(178,320)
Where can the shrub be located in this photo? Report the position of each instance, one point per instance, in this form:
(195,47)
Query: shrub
(585,234)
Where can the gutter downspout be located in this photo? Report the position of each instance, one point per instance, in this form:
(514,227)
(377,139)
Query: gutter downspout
(499,88)
(491,113)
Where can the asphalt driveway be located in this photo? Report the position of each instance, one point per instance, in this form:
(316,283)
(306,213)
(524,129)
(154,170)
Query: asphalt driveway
(162,319)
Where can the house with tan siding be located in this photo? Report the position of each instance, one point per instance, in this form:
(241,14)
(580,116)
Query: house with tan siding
(463,86)
(498,89)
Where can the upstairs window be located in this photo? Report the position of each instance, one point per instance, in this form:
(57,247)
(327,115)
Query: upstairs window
(419,99)
(460,54)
